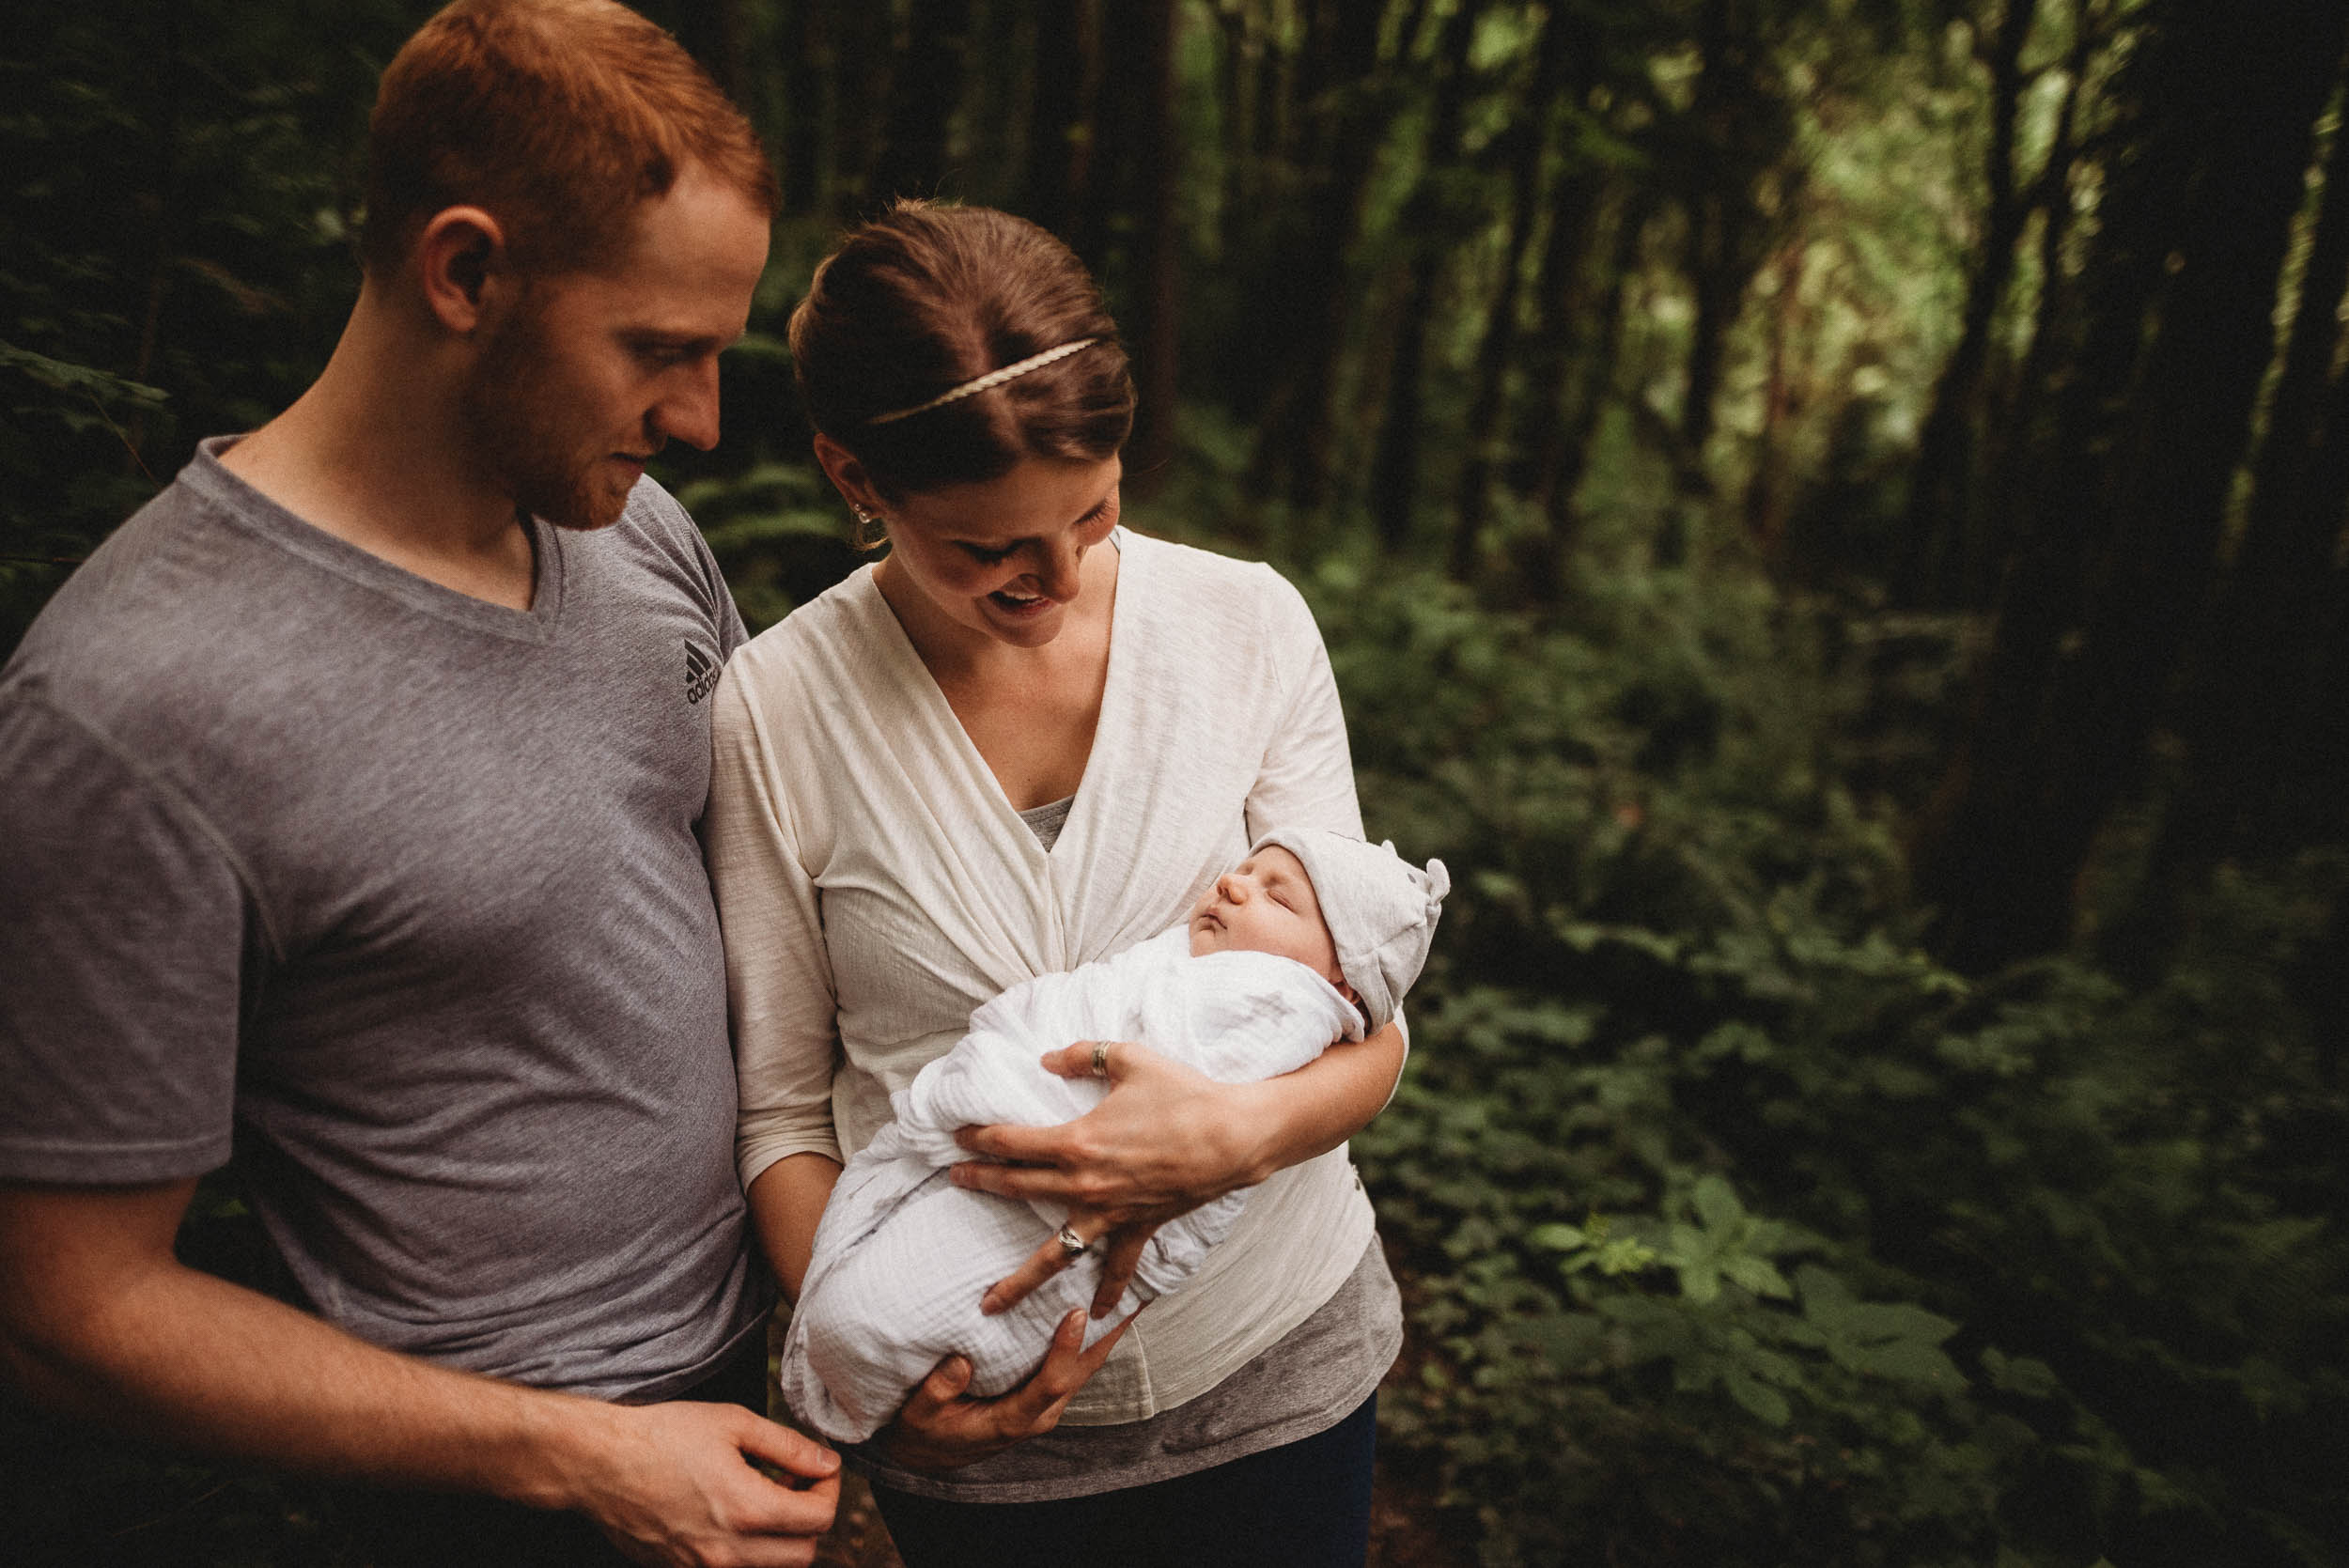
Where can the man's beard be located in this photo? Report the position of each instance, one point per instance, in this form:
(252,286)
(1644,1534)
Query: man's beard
(521,439)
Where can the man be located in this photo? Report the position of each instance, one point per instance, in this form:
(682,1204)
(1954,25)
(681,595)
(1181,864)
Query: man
(352,792)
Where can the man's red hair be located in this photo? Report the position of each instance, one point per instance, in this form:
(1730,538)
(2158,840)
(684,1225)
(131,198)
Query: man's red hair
(557,117)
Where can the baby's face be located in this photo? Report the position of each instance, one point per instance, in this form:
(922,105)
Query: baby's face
(1265,903)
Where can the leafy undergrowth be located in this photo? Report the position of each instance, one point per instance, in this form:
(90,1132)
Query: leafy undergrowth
(1736,1230)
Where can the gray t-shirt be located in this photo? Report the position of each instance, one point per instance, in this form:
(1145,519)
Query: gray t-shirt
(402,890)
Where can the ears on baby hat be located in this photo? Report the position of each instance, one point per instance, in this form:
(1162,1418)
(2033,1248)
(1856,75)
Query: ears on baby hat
(1381,910)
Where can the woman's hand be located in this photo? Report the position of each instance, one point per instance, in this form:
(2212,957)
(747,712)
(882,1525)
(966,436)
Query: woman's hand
(940,1429)
(1164,1140)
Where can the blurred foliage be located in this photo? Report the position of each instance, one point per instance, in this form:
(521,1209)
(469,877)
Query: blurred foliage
(1738,1231)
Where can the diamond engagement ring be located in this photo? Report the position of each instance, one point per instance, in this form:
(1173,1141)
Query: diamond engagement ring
(1072,1246)
(1100,1059)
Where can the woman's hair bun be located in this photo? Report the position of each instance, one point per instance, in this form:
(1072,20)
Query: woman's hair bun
(929,296)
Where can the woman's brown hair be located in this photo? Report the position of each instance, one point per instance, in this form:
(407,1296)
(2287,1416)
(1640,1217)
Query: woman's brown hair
(929,296)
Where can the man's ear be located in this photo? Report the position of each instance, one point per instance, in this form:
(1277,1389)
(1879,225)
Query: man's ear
(461,257)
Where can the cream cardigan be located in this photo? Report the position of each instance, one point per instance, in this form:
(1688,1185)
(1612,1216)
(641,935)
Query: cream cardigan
(875,887)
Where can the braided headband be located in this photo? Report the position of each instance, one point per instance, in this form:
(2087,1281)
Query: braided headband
(992,378)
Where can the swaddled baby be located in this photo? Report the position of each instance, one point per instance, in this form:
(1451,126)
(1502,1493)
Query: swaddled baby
(1313,937)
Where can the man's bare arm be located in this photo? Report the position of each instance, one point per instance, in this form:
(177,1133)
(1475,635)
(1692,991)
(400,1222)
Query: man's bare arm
(99,1319)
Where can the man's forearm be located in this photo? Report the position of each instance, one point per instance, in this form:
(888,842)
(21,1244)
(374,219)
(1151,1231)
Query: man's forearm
(177,1355)
(100,1320)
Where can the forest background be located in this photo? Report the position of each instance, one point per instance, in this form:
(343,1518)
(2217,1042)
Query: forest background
(1828,516)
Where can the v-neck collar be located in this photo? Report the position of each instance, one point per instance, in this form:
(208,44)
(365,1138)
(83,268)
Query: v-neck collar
(1002,816)
(248,508)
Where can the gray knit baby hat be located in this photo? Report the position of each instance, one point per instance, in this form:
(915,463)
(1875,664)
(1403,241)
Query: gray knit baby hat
(1381,910)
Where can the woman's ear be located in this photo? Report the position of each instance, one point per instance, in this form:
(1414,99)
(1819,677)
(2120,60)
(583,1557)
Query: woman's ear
(848,474)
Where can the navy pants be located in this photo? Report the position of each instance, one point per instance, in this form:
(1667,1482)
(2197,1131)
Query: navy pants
(1303,1505)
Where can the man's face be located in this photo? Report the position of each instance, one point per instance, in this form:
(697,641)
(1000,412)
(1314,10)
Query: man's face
(1265,903)
(591,372)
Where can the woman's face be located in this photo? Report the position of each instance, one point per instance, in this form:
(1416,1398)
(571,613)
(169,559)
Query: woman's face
(1000,557)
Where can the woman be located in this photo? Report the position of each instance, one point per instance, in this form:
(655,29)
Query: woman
(1026,739)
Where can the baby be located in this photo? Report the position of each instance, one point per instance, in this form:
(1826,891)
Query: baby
(1313,937)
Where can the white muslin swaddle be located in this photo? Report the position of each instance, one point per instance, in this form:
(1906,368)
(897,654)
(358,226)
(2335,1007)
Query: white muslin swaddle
(902,1255)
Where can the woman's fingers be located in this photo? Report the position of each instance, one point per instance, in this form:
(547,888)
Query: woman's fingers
(1121,1253)
(1085,1058)
(1035,1407)
(939,1428)
(1061,1374)
(941,1387)
(1002,1140)
(1120,1249)
(1046,1261)
(1070,1363)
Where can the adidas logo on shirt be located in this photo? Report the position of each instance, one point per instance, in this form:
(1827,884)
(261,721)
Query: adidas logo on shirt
(701,672)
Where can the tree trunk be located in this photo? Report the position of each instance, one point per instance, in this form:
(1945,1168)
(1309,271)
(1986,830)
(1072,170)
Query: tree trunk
(2195,232)
(1768,496)
(1158,247)
(1301,324)
(808,71)
(923,90)
(163,248)
(1941,481)
(1561,294)
(863,95)
(2263,639)
(1238,60)
(1988,541)
(1739,131)
(1587,391)
(1427,218)
(2303,782)
(1529,138)
(1119,105)
(1056,122)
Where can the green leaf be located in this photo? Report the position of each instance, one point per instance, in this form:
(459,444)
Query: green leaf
(2019,1375)
(81,380)
(1758,1275)
(1758,1400)
(1717,1204)
(1700,1282)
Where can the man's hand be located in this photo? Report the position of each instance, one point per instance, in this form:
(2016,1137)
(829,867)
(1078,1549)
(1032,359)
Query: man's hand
(940,1429)
(673,1485)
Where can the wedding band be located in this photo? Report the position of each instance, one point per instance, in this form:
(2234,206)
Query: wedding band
(1072,1246)
(1100,1059)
